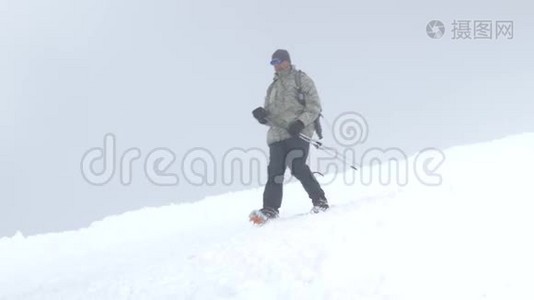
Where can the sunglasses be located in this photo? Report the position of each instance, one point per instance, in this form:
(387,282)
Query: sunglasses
(276,61)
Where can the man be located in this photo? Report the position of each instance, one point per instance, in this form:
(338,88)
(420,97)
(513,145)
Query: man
(291,107)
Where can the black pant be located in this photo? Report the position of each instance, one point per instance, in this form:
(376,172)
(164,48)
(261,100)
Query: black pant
(290,153)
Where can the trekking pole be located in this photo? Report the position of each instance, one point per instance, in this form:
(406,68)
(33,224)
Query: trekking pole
(320,146)
(317,144)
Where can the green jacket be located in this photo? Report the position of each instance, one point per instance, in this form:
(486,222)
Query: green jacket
(283,107)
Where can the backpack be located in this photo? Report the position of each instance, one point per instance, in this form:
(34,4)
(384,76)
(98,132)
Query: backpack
(302,100)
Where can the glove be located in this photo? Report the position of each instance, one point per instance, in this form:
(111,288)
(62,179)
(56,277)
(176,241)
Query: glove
(295,128)
(260,114)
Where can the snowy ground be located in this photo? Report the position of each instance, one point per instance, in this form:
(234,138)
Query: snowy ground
(470,238)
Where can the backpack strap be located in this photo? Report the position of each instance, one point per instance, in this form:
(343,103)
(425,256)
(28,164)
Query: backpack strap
(298,80)
(301,97)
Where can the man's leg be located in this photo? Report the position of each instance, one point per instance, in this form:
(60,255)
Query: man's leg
(272,195)
(296,160)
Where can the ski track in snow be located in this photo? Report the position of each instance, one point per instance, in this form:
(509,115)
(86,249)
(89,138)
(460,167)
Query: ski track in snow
(469,238)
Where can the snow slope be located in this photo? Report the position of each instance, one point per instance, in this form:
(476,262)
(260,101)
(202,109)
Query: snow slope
(469,238)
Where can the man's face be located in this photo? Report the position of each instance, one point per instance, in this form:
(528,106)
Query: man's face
(282,66)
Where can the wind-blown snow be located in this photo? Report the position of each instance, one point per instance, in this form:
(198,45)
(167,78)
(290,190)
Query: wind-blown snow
(469,238)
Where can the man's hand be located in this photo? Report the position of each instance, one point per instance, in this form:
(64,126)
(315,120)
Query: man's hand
(260,114)
(295,128)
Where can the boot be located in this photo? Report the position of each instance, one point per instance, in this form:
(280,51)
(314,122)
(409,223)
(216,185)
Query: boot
(260,216)
(320,205)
